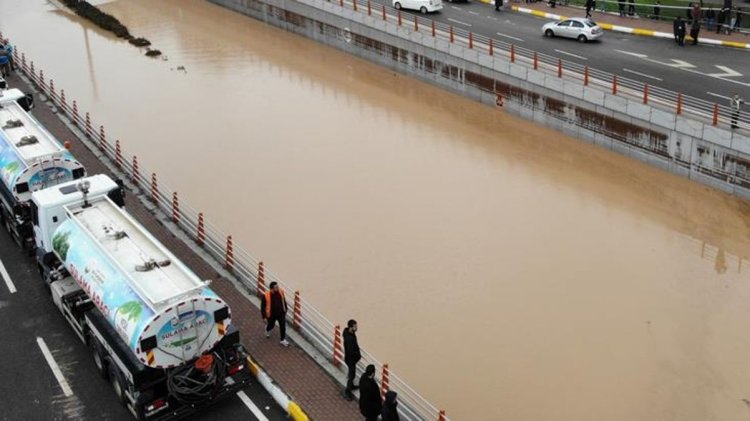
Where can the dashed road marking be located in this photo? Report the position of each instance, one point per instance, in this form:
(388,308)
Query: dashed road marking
(642,74)
(509,36)
(459,22)
(571,54)
(250,404)
(6,278)
(55,368)
(471,12)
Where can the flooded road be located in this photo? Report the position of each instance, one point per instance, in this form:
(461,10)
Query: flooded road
(504,270)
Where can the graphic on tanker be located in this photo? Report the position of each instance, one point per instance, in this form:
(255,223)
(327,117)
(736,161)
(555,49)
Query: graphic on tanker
(10,163)
(49,177)
(180,337)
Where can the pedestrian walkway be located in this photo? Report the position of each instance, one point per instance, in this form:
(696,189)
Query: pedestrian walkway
(297,373)
(630,24)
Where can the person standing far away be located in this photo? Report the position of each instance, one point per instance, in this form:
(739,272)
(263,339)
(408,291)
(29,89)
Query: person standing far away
(370,404)
(736,103)
(737,19)
(695,29)
(351,357)
(710,17)
(9,49)
(589,6)
(273,309)
(675,27)
(631,8)
(681,30)
(498,5)
(390,412)
(657,9)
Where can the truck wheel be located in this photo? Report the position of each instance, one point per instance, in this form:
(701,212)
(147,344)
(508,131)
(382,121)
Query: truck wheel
(117,385)
(97,355)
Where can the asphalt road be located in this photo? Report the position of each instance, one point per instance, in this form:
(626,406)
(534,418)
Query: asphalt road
(29,389)
(711,73)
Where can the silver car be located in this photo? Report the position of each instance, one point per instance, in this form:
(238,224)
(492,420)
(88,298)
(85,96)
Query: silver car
(582,29)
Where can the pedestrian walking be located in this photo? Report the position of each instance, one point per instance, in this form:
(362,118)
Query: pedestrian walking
(710,18)
(631,7)
(680,31)
(689,12)
(696,13)
(695,29)
(720,20)
(498,5)
(9,49)
(352,356)
(589,5)
(4,62)
(370,404)
(621,7)
(737,19)
(273,309)
(736,103)
(390,412)
(657,9)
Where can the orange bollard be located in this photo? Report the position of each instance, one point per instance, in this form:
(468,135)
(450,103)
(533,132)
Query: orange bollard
(471,40)
(62,100)
(369,8)
(441,415)
(399,18)
(451,33)
(512,53)
(384,12)
(75,112)
(154,189)
(52,88)
(102,139)
(645,93)
(337,351)
(536,61)
(32,71)
(175,208)
(341,3)
(229,256)
(297,312)
(41,79)
(384,381)
(354,5)
(433,29)
(586,75)
(416,24)
(201,237)
(118,154)
(716,114)
(87,129)
(261,286)
(490,46)
(559,67)
(614,84)
(679,104)
(136,175)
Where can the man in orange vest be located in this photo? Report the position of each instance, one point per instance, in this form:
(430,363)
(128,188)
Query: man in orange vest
(273,309)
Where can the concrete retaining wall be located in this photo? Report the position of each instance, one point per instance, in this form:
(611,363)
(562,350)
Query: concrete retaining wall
(691,148)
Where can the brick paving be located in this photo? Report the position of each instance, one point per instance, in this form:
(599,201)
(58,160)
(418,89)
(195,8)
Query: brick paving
(291,368)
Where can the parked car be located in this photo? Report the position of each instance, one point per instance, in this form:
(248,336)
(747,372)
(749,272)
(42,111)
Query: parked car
(423,6)
(582,29)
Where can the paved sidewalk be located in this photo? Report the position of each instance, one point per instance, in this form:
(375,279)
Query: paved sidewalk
(291,368)
(630,24)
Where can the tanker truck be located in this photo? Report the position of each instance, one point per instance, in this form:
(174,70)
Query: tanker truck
(30,159)
(155,330)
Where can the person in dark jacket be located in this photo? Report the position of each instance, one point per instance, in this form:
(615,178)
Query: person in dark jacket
(589,6)
(390,412)
(351,356)
(498,4)
(273,309)
(370,404)
(695,29)
(679,31)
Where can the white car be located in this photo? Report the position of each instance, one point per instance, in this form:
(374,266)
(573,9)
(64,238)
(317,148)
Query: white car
(423,6)
(582,29)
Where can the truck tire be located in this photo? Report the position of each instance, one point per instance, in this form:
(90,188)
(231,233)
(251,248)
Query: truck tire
(115,378)
(98,356)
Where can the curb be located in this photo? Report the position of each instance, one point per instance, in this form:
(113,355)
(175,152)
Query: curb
(292,408)
(629,30)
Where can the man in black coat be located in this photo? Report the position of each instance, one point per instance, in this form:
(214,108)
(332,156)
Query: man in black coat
(351,356)
(681,31)
(498,4)
(370,404)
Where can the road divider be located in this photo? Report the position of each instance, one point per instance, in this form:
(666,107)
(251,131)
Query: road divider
(292,408)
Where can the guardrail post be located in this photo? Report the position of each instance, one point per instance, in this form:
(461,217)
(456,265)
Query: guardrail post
(337,352)
(32,70)
(41,79)
(154,189)
(87,128)
(384,12)
(62,101)
(645,93)
(102,138)
(490,47)
(416,24)
(451,33)
(536,61)
(52,89)
(201,237)
(341,3)
(175,208)
(136,174)
(716,114)
(261,286)
(354,5)
(369,8)
(679,103)
(441,415)
(471,40)
(23,60)
(433,29)
(399,18)
(75,112)
(586,75)
(384,381)
(614,84)
(297,312)
(118,154)
(229,256)
(559,67)
(512,53)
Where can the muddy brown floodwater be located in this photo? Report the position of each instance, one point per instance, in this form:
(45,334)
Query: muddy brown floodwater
(504,270)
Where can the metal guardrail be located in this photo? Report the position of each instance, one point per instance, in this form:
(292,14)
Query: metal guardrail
(304,317)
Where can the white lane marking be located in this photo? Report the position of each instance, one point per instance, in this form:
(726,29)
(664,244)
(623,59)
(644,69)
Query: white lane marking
(727,72)
(455,7)
(6,277)
(720,96)
(471,12)
(55,368)
(642,74)
(680,64)
(509,36)
(459,22)
(254,409)
(571,54)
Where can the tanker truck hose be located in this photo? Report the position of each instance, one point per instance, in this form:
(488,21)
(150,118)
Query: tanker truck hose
(189,385)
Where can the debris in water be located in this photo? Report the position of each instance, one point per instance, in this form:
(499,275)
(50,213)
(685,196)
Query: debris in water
(152,53)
